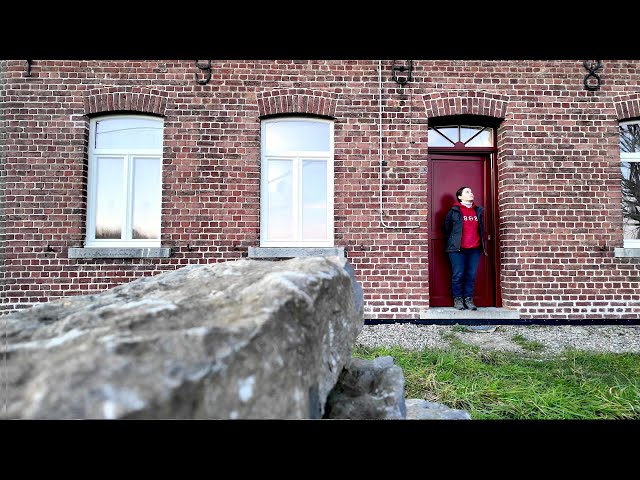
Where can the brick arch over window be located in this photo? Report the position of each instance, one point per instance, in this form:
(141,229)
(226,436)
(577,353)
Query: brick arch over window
(463,102)
(627,106)
(132,100)
(294,100)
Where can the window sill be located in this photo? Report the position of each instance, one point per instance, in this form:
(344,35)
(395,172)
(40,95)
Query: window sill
(123,252)
(291,252)
(627,252)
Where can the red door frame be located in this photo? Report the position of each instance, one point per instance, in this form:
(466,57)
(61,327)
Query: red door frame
(492,228)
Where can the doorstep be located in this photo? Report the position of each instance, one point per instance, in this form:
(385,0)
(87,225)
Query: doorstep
(482,313)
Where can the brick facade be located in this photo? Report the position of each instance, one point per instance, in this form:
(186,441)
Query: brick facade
(558,172)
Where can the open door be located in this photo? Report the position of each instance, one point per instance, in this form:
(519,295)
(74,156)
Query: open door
(447,173)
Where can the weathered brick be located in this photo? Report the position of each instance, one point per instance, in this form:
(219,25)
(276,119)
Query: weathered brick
(557,174)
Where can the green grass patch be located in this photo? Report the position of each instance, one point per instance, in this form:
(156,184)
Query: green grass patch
(505,385)
(529,345)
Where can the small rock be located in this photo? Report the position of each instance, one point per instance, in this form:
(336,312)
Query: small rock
(418,409)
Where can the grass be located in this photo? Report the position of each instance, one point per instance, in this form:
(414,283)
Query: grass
(505,385)
(529,345)
(458,328)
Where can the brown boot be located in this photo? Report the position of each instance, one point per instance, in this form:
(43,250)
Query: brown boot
(457,303)
(469,303)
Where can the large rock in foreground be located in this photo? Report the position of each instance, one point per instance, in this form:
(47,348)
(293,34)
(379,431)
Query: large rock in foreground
(243,339)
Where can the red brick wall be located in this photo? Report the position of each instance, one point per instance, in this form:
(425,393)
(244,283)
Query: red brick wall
(558,172)
(3,175)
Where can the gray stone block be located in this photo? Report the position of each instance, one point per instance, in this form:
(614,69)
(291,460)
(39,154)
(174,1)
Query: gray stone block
(368,390)
(418,409)
(243,339)
(292,252)
(114,252)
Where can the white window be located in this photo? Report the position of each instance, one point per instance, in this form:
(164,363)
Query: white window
(125,181)
(630,166)
(296,191)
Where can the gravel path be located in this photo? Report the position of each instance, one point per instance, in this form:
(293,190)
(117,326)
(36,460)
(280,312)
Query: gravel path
(601,338)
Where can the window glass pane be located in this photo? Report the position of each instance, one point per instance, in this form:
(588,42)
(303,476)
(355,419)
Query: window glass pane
(314,200)
(484,139)
(630,137)
(128,133)
(467,132)
(631,200)
(280,200)
(109,197)
(450,132)
(437,140)
(146,198)
(293,135)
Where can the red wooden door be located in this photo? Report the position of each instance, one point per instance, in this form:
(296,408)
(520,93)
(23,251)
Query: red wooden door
(447,173)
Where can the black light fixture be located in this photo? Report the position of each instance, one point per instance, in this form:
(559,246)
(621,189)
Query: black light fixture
(592,79)
(28,73)
(402,68)
(205,67)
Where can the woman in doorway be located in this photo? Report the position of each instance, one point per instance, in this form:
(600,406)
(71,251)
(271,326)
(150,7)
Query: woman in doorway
(463,227)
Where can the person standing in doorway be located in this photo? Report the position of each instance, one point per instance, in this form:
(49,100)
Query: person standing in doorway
(463,227)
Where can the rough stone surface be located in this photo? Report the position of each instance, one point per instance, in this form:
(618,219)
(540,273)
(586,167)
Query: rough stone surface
(418,409)
(241,339)
(368,390)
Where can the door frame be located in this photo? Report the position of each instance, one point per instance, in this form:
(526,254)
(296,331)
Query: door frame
(492,228)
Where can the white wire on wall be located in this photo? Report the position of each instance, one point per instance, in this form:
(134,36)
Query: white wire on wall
(382,222)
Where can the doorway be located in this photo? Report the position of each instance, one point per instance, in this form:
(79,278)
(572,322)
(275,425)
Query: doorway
(447,173)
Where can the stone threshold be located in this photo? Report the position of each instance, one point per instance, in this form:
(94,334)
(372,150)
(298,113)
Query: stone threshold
(482,313)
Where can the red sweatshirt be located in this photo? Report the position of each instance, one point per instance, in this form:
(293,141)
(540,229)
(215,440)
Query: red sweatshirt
(470,235)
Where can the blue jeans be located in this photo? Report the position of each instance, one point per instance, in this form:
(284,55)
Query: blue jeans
(464,265)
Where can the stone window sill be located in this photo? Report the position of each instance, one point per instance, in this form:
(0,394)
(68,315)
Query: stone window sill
(292,252)
(125,252)
(627,252)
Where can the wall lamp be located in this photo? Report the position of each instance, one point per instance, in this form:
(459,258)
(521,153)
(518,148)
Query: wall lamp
(395,68)
(206,68)
(592,79)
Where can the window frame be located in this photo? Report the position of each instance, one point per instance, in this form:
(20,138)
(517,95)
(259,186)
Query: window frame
(128,154)
(458,143)
(297,157)
(629,157)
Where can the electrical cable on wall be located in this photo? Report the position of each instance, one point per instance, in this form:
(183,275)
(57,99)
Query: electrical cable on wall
(381,162)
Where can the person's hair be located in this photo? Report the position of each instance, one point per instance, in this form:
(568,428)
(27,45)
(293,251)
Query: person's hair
(459,192)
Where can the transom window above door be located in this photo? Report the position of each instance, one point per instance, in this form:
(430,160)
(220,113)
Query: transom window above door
(460,136)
